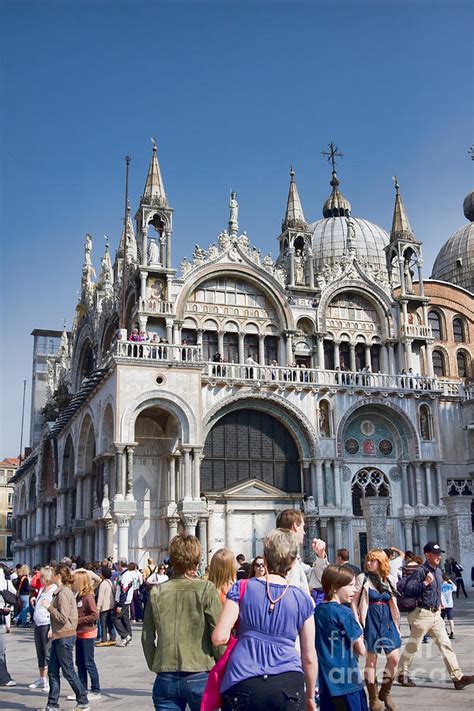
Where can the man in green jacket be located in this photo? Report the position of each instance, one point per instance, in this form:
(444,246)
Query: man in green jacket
(179,620)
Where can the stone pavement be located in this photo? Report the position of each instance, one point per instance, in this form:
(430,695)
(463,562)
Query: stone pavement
(126,681)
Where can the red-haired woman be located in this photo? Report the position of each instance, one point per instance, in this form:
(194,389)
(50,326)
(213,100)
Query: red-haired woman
(375,605)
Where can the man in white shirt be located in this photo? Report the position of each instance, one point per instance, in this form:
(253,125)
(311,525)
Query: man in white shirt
(123,599)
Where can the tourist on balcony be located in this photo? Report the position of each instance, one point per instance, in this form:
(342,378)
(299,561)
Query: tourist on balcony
(217,369)
(134,336)
(249,371)
(162,350)
(274,366)
(42,627)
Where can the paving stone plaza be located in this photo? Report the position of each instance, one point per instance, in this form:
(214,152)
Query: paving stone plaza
(126,682)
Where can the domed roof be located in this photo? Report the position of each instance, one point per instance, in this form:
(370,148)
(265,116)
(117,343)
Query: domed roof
(455,260)
(330,241)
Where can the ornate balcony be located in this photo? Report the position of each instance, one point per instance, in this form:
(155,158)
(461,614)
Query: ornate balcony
(162,352)
(416,331)
(154,306)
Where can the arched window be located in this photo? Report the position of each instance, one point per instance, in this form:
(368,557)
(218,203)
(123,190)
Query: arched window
(434,320)
(461,359)
(368,482)
(458,330)
(324,419)
(439,368)
(425,422)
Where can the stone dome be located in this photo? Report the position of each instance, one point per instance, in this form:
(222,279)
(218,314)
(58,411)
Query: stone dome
(330,241)
(455,260)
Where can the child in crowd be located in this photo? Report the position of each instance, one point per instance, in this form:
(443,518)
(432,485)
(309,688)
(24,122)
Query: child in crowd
(447,589)
(339,639)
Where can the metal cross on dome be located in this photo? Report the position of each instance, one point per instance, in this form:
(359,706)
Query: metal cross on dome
(332,155)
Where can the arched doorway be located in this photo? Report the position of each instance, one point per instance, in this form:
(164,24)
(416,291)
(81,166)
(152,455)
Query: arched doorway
(250,444)
(367,482)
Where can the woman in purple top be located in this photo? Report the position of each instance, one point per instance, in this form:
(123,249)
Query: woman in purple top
(265,672)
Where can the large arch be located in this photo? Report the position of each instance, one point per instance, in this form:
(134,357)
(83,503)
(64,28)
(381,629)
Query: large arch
(106,434)
(371,293)
(190,427)
(262,281)
(391,413)
(86,446)
(248,444)
(289,416)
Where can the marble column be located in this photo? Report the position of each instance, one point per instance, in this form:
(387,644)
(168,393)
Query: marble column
(375,510)
(109,537)
(429,486)
(407,524)
(143,277)
(172,526)
(408,353)
(187,473)
(168,249)
(119,471)
(319,496)
(289,347)
(441,523)
(352,357)
(169,333)
(261,349)
(196,473)
(171,479)
(384,362)
(220,343)
(320,342)
(190,522)
(337,357)
(123,524)
(100,552)
(311,520)
(202,534)
(310,270)
(460,528)
(440,482)
(241,348)
(337,484)
(323,529)
(405,491)
(418,483)
(337,533)
(129,477)
(229,529)
(391,359)
(78,497)
(368,361)
(429,359)
(422,522)
(291,255)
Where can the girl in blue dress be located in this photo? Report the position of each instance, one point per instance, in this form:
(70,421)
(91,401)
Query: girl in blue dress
(376,608)
(338,642)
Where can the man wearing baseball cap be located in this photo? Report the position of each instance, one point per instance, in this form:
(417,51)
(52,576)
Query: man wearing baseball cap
(424,584)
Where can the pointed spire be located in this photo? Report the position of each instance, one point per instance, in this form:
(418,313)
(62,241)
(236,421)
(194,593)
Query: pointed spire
(154,192)
(131,241)
(294,216)
(401,228)
(106,278)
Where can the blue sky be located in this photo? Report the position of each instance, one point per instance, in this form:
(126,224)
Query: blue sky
(234,92)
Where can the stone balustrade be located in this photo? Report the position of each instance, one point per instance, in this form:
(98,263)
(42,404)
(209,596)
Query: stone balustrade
(269,375)
(416,331)
(155,306)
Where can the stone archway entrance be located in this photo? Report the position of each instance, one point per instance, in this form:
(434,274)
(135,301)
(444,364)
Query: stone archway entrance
(371,500)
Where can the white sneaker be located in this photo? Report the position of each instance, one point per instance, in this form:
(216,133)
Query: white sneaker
(38,684)
(82,707)
(121,643)
(71,697)
(12,682)
(128,639)
(94,696)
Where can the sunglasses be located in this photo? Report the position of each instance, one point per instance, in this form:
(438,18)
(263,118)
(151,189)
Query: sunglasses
(259,565)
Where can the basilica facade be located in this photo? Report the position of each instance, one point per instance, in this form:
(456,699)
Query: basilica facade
(335,379)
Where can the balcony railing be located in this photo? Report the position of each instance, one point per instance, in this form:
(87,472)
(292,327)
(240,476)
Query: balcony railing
(154,306)
(270,376)
(147,350)
(416,331)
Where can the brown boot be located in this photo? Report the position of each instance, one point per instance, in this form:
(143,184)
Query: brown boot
(374,703)
(384,695)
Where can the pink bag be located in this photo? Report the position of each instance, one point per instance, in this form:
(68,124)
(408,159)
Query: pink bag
(212,699)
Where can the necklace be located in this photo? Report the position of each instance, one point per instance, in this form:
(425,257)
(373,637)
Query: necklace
(273,602)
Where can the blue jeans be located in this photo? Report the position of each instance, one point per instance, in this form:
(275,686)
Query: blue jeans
(25,606)
(85,663)
(61,658)
(173,690)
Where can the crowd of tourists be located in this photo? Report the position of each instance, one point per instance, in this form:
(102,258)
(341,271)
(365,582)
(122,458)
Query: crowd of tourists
(267,635)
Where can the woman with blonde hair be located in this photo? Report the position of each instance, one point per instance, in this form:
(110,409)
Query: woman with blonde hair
(63,613)
(223,571)
(374,604)
(42,627)
(22,585)
(87,616)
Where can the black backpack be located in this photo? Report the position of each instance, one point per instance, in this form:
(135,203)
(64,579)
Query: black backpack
(405,602)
